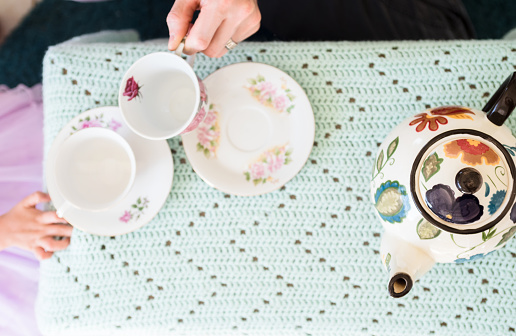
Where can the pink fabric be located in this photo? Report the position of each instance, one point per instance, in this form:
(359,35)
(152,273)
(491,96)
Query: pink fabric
(21,158)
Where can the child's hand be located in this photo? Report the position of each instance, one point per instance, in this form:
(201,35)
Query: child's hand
(26,227)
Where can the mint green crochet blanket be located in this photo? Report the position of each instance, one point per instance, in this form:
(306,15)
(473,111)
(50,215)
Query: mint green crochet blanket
(303,260)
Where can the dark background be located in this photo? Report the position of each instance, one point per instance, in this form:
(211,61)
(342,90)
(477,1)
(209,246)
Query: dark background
(54,21)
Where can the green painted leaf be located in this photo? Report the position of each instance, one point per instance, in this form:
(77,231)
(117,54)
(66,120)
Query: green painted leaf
(211,107)
(260,78)
(257,181)
(139,201)
(431,166)
(134,206)
(252,81)
(484,237)
(379,162)
(425,230)
(388,262)
(199,147)
(207,153)
(247,176)
(289,109)
(288,152)
(507,236)
(288,160)
(392,147)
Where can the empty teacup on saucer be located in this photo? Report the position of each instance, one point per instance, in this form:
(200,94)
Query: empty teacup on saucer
(132,201)
(94,169)
(258,132)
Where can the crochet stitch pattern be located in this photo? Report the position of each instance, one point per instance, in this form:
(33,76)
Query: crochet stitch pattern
(303,260)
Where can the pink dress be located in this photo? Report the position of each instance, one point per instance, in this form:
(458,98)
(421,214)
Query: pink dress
(21,158)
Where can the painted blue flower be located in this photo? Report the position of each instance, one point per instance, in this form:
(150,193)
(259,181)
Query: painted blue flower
(392,202)
(461,210)
(472,258)
(496,201)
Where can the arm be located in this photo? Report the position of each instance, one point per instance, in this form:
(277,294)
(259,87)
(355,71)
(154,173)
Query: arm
(218,22)
(28,228)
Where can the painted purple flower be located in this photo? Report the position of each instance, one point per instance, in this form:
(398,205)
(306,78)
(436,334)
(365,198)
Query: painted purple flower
(90,123)
(114,125)
(126,217)
(512,216)
(132,89)
(462,210)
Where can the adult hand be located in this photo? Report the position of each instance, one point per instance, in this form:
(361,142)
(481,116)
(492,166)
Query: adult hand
(218,21)
(26,227)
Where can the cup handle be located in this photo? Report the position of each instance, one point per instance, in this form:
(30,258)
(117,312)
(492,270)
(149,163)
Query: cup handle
(190,59)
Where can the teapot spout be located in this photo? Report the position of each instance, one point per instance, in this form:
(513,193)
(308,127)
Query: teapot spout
(405,263)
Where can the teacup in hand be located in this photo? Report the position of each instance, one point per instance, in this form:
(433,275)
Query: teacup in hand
(161,97)
(94,170)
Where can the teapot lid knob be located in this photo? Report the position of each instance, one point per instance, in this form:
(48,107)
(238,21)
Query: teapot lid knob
(503,102)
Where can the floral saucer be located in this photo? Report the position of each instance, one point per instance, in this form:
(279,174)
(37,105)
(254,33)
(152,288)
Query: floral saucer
(257,134)
(152,184)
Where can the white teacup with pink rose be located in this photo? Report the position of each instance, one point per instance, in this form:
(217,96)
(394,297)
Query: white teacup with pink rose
(160,96)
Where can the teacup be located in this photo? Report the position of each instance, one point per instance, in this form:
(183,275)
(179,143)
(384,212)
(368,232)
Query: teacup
(161,97)
(93,170)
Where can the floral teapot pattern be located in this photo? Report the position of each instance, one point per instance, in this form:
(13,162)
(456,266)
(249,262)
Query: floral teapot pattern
(443,186)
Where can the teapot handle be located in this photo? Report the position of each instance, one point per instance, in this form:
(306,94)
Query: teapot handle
(503,102)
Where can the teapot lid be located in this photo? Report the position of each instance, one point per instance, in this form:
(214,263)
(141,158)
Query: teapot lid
(462,181)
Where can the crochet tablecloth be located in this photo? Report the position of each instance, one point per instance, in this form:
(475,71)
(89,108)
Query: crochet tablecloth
(303,260)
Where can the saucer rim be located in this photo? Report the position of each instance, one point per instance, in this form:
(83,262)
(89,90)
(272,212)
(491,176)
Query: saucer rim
(224,190)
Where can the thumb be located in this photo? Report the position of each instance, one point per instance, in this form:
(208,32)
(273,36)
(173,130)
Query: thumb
(178,20)
(34,199)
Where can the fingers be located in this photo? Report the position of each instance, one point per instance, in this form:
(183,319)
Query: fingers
(50,217)
(41,254)
(34,199)
(220,20)
(49,244)
(58,230)
(178,20)
(205,27)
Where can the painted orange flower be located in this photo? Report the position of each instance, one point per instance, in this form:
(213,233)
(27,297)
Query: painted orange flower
(436,117)
(473,152)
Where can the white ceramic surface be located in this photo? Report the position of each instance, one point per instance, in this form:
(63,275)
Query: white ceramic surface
(152,182)
(258,133)
(161,97)
(94,169)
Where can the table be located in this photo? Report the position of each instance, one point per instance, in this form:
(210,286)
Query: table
(303,260)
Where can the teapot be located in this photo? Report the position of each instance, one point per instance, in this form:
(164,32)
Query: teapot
(443,186)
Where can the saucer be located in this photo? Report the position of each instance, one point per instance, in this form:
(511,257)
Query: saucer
(257,134)
(152,183)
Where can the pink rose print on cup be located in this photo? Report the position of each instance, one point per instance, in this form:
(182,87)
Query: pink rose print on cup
(208,134)
(279,99)
(261,171)
(132,89)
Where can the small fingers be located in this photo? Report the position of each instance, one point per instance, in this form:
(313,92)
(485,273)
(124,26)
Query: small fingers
(35,198)
(50,217)
(58,230)
(49,244)
(41,254)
